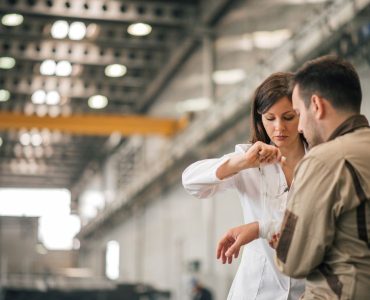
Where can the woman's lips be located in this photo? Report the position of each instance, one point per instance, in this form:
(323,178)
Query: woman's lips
(280,137)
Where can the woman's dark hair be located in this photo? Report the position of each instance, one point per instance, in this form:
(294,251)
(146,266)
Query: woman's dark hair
(275,87)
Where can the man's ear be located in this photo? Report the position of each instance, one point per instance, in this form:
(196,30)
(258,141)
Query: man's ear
(317,106)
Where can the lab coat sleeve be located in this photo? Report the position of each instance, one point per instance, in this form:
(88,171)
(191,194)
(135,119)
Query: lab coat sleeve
(200,180)
(309,222)
(269,227)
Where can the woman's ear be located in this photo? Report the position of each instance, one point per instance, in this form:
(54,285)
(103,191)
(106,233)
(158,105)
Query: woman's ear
(317,106)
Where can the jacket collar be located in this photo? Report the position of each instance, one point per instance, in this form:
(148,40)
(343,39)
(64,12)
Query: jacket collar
(349,125)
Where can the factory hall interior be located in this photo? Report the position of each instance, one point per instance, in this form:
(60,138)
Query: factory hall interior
(104,105)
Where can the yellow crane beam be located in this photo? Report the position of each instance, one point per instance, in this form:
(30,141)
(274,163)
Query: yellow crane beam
(95,124)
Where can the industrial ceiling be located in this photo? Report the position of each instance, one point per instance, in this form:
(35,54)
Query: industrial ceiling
(32,156)
(34,153)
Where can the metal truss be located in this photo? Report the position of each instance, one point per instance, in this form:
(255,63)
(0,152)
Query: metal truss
(169,13)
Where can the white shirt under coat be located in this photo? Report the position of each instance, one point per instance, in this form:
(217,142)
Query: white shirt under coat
(263,195)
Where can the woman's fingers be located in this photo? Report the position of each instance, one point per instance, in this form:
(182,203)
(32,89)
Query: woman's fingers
(223,246)
(269,155)
(233,249)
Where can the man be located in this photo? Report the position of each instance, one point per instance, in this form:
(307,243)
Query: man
(325,232)
(200,292)
(326,228)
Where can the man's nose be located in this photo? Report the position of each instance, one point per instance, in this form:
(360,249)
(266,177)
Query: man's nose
(300,128)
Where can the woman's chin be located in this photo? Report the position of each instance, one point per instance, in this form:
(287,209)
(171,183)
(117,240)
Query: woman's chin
(280,142)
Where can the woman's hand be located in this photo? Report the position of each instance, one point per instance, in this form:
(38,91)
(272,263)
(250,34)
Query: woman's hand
(261,153)
(229,246)
(258,154)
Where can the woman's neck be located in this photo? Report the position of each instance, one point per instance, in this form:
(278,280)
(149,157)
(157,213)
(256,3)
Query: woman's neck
(294,152)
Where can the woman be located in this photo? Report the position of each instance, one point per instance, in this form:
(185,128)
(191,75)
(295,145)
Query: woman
(262,173)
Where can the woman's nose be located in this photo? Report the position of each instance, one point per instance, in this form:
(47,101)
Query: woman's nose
(279,124)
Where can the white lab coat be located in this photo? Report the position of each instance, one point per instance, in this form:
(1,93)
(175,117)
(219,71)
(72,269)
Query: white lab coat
(263,194)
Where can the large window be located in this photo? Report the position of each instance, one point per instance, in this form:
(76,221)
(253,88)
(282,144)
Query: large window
(57,226)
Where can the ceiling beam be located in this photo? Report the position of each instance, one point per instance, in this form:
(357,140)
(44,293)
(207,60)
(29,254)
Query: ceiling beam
(84,79)
(86,53)
(108,35)
(129,11)
(177,57)
(95,124)
(69,88)
(212,9)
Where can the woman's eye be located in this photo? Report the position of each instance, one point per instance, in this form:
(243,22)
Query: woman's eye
(270,119)
(288,118)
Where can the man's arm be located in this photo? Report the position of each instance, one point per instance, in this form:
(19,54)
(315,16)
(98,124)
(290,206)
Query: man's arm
(308,226)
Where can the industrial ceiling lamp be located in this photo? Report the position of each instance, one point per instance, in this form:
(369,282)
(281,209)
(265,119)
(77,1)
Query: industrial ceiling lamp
(59,30)
(7,62)
(115,70)
(63,68)
(38,97)
(12,19)
(98,101)
(52,98)
(139,29)
(48,67)
(77,31)
(4,95)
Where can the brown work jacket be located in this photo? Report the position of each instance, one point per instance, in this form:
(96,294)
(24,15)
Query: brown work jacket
(326,228)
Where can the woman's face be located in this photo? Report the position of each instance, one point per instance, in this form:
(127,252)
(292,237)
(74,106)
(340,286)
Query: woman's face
(281,123)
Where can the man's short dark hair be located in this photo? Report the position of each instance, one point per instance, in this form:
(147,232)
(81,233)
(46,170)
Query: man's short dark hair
(332,78)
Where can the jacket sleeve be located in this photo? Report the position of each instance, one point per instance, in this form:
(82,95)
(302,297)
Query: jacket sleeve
(309,222)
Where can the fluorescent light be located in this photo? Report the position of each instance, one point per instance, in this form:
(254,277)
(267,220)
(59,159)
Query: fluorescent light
(25,139)
(232,76)
(52,98)
(4,95)
(139,29)
(12,20)
(48,67)
(59,30)
(38,97)
(98,101)
(270,39)
(196,104)
(1,141)
(115,70)
(77,31)
(7,62)
(63,68)
(36,139)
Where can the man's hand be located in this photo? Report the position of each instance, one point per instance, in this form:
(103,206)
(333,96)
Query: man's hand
(229,246)
(274,240)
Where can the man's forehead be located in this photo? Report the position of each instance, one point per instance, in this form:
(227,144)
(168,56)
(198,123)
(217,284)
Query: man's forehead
(296,89)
